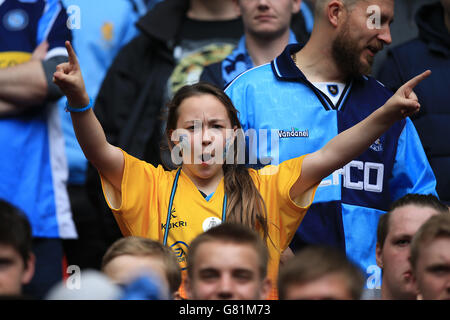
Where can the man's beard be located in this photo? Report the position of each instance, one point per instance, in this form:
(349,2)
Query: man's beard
(347,55)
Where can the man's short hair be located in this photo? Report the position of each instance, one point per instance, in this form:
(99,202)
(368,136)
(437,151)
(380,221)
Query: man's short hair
(314,262)
(437,226)
(419,200)
(231,233)
(320,4)
(142,247)
(15,230)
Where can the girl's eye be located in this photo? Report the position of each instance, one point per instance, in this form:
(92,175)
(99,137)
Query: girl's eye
(217,126)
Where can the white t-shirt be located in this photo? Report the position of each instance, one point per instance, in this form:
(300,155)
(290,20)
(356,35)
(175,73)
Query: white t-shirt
(333,90)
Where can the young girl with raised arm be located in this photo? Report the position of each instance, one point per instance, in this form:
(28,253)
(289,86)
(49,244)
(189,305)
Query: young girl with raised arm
(175,206)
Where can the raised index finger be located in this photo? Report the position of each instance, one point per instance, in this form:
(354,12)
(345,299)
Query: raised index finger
(72,56)
(409,86)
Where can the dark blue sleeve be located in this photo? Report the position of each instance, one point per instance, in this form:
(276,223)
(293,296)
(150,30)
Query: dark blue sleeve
(53,28)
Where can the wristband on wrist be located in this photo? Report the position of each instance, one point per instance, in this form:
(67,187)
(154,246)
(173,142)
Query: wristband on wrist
(72,109)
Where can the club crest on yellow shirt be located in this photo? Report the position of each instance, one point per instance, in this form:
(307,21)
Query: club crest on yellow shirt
(210,222)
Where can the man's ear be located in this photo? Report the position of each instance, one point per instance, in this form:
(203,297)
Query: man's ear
(335,12)
(296,4)
(266,287)
(237,8)
(379,255)
(29,270)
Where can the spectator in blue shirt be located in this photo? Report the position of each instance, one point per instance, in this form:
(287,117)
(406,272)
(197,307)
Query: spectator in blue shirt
(266,33)
(33,166)
(311,93)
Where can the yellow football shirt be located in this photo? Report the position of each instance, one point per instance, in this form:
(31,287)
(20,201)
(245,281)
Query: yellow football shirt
(141,208)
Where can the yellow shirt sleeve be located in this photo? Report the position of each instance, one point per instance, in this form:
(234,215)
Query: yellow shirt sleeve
(284,214)
(136,205)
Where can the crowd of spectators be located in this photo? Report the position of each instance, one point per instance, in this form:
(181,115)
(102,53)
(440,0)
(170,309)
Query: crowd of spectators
(303,71)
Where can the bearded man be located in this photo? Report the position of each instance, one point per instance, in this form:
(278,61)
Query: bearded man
(308,95)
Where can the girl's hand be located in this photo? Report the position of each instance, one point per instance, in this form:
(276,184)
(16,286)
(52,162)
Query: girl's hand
(69,79)
(404,102)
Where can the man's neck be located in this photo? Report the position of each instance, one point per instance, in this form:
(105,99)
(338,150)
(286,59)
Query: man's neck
(209,10)
(318,65)
(385,293)
(263,50)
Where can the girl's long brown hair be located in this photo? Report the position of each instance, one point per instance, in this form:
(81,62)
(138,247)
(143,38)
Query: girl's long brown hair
(245,203)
